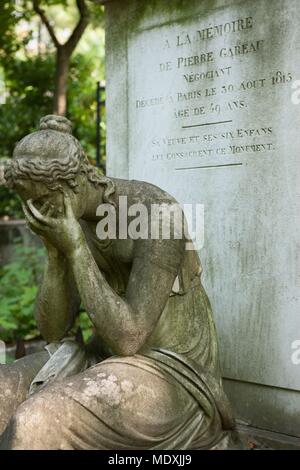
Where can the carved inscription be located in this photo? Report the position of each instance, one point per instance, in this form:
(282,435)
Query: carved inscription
(208,88)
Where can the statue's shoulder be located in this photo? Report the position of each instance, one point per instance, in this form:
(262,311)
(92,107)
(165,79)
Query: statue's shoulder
(142,190)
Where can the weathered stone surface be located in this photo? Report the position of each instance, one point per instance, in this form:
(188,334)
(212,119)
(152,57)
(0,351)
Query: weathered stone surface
(155,381)
(202,102)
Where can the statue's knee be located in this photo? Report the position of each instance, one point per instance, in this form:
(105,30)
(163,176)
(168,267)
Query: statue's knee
(28,427)
(15,379)
(15,434)
(13,387)
(6,372)
(39,423)
(7,378)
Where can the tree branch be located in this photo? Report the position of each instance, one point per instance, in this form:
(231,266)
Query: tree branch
(80,27)
(42,15)
(82,8)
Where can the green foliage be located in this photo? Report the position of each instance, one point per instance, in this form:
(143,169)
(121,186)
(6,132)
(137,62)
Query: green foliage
(31,88)
(82,104)
(30,85)
(29,79)
(18,290)
(8,22)
(85,324)
(10,204)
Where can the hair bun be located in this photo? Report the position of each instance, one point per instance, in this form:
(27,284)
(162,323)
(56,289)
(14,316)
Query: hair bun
(56,123)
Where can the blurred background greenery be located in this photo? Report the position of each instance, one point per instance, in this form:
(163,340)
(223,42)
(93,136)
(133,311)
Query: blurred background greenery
(28,84)
(27,75)
(20,279)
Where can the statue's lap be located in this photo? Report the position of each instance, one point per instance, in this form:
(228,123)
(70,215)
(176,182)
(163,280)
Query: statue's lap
(119,403)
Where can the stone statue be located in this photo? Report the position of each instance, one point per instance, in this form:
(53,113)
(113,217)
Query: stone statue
(149,378)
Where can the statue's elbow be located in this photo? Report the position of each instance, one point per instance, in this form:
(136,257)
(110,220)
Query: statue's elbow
(52,336)
(126,350)
(129,346)
(51,333)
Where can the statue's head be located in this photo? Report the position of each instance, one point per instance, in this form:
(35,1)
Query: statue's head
(50,162)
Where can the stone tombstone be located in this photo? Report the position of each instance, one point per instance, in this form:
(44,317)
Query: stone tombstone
(202,101)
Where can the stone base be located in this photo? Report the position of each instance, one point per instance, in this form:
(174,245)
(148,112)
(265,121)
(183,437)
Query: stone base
(260,439)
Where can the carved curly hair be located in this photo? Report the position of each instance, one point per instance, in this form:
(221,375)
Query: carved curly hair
(52,171)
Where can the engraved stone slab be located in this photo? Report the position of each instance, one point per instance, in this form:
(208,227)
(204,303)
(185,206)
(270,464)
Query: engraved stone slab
(212,117)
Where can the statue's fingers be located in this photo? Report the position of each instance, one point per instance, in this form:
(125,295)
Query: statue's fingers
(45,207)
(68,206)
(51,210)
(37,215)
(48,210)
(33,223)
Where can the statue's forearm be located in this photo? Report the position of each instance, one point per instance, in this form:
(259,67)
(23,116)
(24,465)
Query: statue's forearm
(58,300)
(111,315)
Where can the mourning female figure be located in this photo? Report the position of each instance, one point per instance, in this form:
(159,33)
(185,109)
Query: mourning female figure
(149,378)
